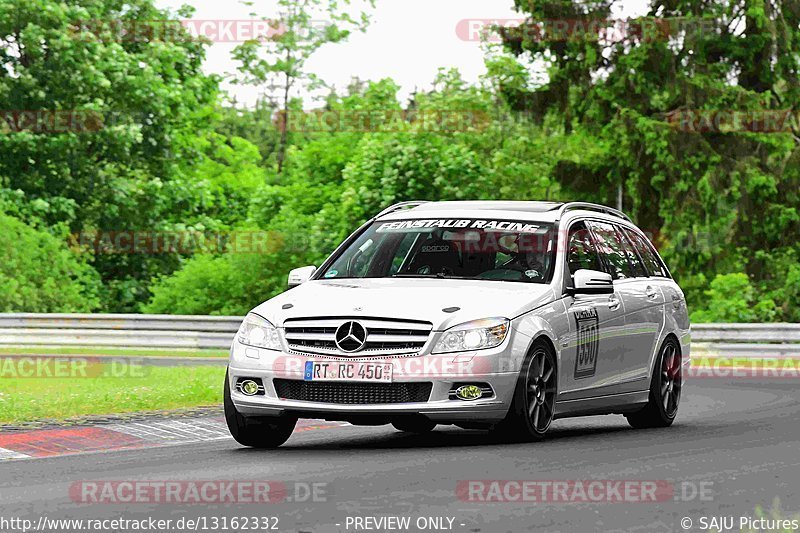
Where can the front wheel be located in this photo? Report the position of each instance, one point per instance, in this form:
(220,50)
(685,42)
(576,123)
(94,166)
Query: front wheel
(533,406)
(255,431)
(665,390)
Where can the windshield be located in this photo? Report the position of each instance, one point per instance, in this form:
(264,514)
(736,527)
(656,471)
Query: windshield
(500,250)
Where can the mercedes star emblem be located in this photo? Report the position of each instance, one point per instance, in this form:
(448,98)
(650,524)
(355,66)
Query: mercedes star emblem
(351,336)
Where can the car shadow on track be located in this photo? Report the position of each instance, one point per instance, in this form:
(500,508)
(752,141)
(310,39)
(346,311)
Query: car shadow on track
(452,437)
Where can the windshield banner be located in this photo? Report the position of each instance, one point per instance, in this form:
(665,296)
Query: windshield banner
(449,223)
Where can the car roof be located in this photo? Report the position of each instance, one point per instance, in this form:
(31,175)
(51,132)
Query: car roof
(501,209)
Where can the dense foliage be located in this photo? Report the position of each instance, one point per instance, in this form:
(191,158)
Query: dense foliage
(721,197)
(39,274)
(553,119)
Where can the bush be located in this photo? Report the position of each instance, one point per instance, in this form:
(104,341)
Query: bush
(732,298)
(39,274)
(791,292)
(230,284)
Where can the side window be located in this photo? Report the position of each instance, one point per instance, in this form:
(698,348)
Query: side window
(638,268)
(581,251)
(651,261)
(611,246)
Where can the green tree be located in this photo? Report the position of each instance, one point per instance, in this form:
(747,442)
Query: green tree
(142,109)
(277,61)
(257,125)
(718,199)
(330,185)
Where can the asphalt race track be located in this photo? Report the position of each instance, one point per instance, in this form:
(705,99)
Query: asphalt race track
(735,446)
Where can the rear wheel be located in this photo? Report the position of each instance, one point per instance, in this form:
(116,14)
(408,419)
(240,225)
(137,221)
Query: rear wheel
(533,406)
(255,431)
(665,390)
(414,424)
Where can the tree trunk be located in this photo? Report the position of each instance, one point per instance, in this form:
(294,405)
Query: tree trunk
(284,128)
(757,70)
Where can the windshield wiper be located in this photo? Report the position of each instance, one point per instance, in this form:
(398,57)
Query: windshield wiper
(440,275)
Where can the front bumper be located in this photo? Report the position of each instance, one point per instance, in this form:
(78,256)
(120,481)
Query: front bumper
(442,371)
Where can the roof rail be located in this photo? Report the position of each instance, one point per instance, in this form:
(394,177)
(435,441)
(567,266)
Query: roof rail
(401,205)
(586,206)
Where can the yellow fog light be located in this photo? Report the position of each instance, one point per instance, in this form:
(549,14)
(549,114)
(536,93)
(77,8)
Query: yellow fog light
(249,387)
(469,392)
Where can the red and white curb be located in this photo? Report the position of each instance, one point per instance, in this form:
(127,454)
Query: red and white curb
(174,431)
(125,436)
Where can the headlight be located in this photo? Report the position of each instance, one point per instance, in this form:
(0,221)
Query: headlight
(258,332)
(475,335)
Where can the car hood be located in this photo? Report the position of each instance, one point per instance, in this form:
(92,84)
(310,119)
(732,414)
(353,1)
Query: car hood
(413,299)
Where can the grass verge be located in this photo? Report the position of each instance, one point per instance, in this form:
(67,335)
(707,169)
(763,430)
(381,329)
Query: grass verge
(159,388)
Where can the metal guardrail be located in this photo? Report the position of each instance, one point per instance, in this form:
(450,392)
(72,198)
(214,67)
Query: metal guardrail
(758,333)
(746,340)
(198,332)
(118,331)
(227,324)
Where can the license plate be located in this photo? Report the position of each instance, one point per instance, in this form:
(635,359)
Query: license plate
(344,371)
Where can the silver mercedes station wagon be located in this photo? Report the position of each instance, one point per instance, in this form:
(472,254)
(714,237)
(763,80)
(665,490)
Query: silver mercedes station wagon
(483,314)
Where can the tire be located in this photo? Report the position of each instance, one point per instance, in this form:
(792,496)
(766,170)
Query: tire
(533,406)
(256,431)
(414,424)
(665,390)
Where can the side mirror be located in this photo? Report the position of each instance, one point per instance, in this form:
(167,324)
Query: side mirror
(592,282)
(299,276)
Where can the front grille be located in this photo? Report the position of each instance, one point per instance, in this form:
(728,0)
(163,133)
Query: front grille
(352,393)
(384,335)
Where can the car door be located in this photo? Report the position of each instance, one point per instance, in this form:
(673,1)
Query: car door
(593,356)
(659,278)
(643,301)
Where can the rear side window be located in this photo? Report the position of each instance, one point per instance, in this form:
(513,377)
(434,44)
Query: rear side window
(617,255)
(651,260)
(638,268)
(581,251)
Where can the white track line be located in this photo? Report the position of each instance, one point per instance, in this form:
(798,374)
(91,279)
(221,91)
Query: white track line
(6,455)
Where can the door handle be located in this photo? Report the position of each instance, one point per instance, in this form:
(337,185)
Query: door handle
(651,293)
(613,302)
